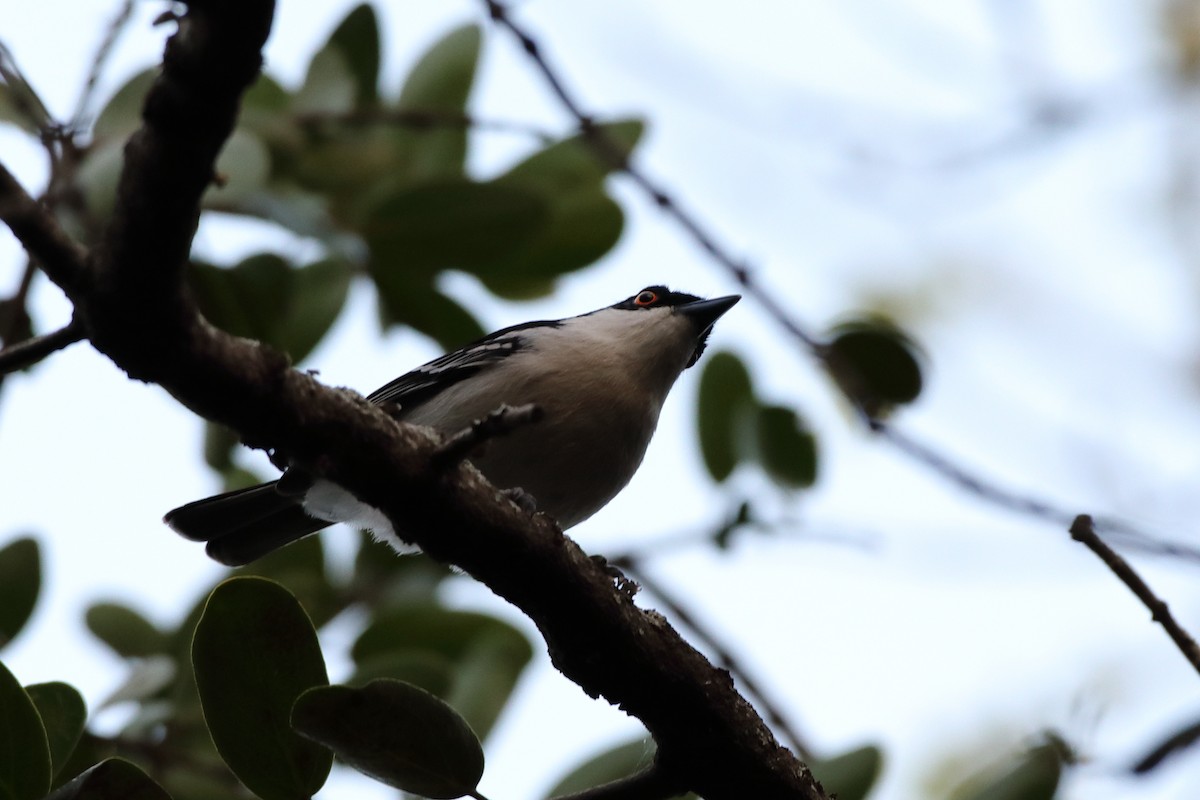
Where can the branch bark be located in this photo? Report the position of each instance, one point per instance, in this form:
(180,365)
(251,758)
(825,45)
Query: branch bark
(131,299)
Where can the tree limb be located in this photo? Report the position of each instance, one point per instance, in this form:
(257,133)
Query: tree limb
(31,351)
(136,311)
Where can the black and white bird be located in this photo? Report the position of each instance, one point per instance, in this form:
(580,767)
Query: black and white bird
(600,379)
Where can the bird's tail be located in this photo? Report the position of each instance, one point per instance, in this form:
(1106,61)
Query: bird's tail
(244,525)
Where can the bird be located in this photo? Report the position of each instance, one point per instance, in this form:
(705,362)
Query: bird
(599,379)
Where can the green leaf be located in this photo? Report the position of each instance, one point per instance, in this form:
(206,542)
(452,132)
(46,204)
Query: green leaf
(432,313)
(787,449)
(122,115)
(396,733)
(610,765)
(20,582)
(128,633)
(24,750)
(147,677)
(300,568)
(486,676)
(255,652)
(430,628)
(113,779)
(99,175)
(357,38)
(329,87)
(449,224)
(219,445)
(725,398)
(263,297)
(439,82)
(63,714)
(244,166)
(1034,775)
(432,672)
(573,163)
(850,775)
(89,751)
(20,107)
(875,365)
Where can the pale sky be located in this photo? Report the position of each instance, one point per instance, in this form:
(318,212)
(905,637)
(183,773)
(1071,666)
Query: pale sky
(858,155)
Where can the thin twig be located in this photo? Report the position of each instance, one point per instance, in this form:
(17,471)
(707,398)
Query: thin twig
(116,27)
(983,488)
(420,118)
(31,351)
(1083,530)
(59,256)
(502,421)
(723,655)
(649,784)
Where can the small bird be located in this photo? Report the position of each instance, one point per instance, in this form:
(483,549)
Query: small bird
(600,380)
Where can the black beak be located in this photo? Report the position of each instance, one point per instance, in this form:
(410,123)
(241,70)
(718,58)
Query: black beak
(703,313)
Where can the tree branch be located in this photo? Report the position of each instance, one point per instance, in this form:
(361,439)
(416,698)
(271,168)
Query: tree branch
(136,311)
(1084,531)
(31,351)
(59,256)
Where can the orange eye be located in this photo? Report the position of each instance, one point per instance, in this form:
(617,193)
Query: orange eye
(646,298)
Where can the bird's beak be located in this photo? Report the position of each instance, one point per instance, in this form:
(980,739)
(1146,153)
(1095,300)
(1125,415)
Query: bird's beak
(703,313)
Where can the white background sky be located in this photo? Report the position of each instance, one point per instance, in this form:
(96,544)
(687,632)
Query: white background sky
(848,150)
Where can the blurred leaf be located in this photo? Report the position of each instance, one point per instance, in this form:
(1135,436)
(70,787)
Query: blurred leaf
(432,628)
(127,632)
(610,765)
(63,714)
(875,365)
(219,444)
(357,39)
(851,775)
(253,653)
(113,779)
(19,106)
(122,115)
(573,164)
(89,751)
(1033,775)
(24,751)
(329,87)
(1177,742)
(428,227)
(432,672)
(266,112)
(725,397)
(486,676)
(786,447)
(433,314)
(396,733)
(244,165)
(440,81)
(20,582)
(300,567)
(99,175)
(387,580)
(146,678)
(265,298)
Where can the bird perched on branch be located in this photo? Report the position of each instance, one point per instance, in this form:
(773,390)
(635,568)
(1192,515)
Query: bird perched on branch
(599,380)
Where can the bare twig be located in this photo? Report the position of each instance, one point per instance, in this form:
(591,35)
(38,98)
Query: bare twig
(649,784)
(116,27)
(502,421)
(1175,743)
(983,488)
(723,655)
(31,351)
(421,119)
(1084,531)
(59,256)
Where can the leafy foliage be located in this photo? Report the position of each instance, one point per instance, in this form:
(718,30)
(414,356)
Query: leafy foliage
(20,582)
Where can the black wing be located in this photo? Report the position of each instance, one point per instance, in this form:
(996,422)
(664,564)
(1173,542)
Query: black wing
(428,380)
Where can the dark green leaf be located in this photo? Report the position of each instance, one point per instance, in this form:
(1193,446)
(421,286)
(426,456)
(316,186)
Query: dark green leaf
(24,751)
(254,652)
(611,765)
(127,632)
(20,582)
(396,733)
(244,166)
(1034,775)
(850,775)
(99,175)
(319,293)
(113,779)
(300,567)
(573,164)
(388,580)
(787,449)
(429,628)
(432,672)
(123,113)
(875,364)
(486,676)
(428,227)
(726,396)
(440,82)
(89,751)
(357,38)
(63,714)
(329,87)
(219,444)
(20,107)
(432,313)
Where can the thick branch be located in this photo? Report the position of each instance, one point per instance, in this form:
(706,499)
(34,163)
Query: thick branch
(60,256)
(136,311)
(1083,531)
